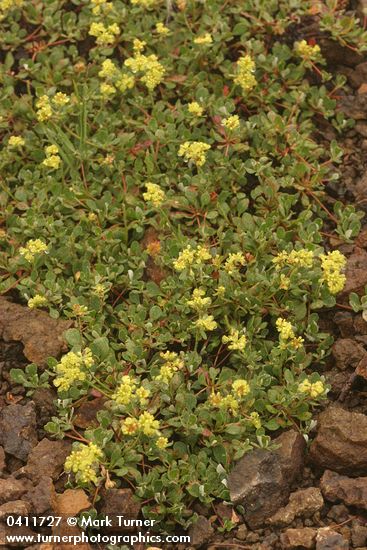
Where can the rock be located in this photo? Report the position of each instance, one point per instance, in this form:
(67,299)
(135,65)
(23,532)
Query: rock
(298,538)
(347,353)
(336,54)
(327,539)
(16,508)
(339,513)
(47,459)
(361,369)
(200,532)
(42,496)
(72,502)
(344,320)
(354,106)
(261,480)
(2,461)
(12,489)
(41,335)
(358,534)
(18,429)
(361,128)
(242,531)
(44,401)
(122,500)
(302,503)
(86,414)
(341,441)
(356,270)
(336,488)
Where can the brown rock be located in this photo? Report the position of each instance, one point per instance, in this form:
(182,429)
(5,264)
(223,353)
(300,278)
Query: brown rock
(361,128)
(18,429)
(72,502)
(12,489)
(347,353)
(302,503)
(122,500)
(2,461)
(354,106)
(41,335)
(327,539)
(341,441)
(47,459)
(42,496)
(344,320)
(361,369)
(16,508)
(261,480)
(358,534)
(86,414)
(352,492)
(356,270)
(298,538)
(200,532)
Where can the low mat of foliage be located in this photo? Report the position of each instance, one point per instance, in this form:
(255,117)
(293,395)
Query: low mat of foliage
(162,187)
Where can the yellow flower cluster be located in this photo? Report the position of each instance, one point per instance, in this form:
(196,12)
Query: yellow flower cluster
(116,79)
(162,29)
(234,262)
(101,6)
(154,194)
(206,322)
(172,364)
(255,419)
(204,39)
(286,335)
(194,151)
(162,442)
(245,77)
(16,141)
(124,393)
(145,424)
(152,70)
(235,341)
(231,122)
(332,264)
(37,301)
(44,105)
(199,301)
(52,159)
(84,462)
(70,369)
(313,389)
(195,108)
(298,258)
(105,36)
(7,5)
(32,248)
(305,50)
(189,257)
(240,388)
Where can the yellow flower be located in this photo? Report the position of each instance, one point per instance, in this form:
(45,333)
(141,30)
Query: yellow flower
(32,248)
(234,262)
(150,66)
(285,282)
(70,369)
(204,39)
(314,389)
(144,3)
(108,70)
(287,337)
(305,50)
(245,78)
(51,150)
(44,110)
(240,388)
(105,36)
(255,419)
(185,259)
(206,322)
(195,109)
(236,342)
(161,442)
(124,393)
(229,402)
(79,310)
(37,301)
(101,6)
(130,426)
(199,301)
(172,364)
(142,393)
(138,45)
(16,141)
(107,90)
(60,99)
(194,151)
(298,258)
(83,462)
(332,264)
(52,159)
(147,424)
(125,82)
(215,399)
(154,194)
(232,122)
(162,29)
